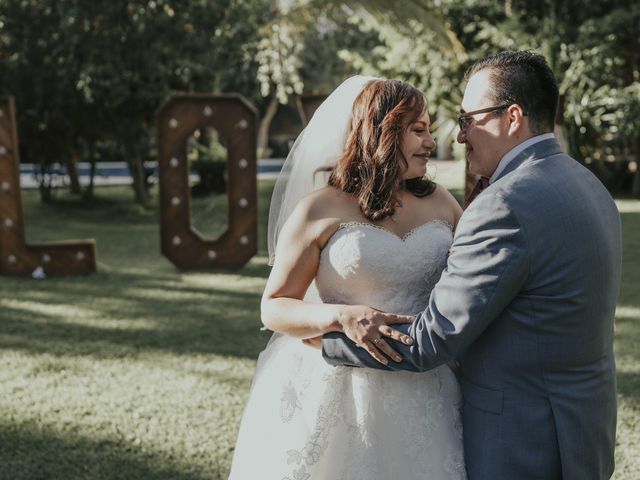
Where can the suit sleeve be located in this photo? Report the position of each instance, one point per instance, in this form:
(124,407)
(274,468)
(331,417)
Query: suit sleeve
(487,267)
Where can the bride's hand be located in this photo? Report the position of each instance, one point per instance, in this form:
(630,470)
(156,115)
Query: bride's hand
(368,327)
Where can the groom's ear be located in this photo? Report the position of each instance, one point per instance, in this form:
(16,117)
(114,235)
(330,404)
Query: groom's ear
(518,121)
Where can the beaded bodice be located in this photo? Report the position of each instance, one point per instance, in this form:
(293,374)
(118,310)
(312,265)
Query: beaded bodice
(369,265)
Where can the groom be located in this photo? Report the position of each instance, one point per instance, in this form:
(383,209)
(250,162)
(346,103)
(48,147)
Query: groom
(527,301)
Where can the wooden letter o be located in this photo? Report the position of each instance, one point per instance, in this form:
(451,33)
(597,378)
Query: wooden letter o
(235,119)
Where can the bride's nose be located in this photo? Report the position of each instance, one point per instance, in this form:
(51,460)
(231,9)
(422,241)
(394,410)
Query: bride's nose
(429,142)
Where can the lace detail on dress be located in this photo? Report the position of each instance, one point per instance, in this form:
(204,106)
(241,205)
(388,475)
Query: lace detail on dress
(288,403)
(403,237)
(367,264)
(306,420)
(327,417)
(454,464)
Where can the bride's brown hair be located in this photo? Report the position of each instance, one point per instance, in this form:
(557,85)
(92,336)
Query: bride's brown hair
(372,164)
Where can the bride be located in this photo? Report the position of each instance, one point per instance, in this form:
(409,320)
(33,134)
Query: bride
(372,237)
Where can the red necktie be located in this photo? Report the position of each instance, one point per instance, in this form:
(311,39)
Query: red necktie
(480,186)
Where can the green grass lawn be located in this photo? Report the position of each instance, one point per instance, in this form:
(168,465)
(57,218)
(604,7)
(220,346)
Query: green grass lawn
(141,371)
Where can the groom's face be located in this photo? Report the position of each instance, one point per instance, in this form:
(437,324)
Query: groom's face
(486,135)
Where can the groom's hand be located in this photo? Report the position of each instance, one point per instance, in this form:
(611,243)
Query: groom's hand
(314,342)
(369,329)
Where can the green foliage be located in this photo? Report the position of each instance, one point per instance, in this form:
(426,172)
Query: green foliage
(300,43)
(210,150)
(592,47)
(340,35)
(601,86)
(208,157)
(84,72)
(94,73)
(278,58)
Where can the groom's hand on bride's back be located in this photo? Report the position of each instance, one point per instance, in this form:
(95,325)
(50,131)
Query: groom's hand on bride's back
(370,329)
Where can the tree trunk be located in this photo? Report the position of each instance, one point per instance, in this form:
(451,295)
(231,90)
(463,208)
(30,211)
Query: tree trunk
(135,163)
(301,112)
(558,131)
(72,171)
(44,183)
(88,192)
(139,183)
(508,10)
(265,124)
(635,188)
(443,140)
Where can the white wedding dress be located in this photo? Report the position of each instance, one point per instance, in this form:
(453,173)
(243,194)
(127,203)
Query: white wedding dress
(307,420)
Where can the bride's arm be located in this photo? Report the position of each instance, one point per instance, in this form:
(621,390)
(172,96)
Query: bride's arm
(296,264)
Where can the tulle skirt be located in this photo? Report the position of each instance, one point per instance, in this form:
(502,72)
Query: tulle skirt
(307,420)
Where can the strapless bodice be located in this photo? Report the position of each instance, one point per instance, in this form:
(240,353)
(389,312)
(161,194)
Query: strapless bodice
(369,265)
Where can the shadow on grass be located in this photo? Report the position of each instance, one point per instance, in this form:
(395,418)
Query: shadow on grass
(629,386)
(630,259)
(119,314)
(138,301)
(30,452)
(628,358)
(628,323)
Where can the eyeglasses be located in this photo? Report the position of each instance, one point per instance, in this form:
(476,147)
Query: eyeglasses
(464,119)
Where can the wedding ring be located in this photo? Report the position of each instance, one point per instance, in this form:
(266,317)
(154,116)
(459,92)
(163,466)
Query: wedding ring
(376,341)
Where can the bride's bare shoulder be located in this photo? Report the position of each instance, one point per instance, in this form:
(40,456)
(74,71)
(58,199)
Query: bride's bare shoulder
(325,203)
(319,214)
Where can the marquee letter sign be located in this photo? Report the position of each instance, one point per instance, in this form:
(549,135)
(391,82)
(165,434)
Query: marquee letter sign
(16,257)
(235,120)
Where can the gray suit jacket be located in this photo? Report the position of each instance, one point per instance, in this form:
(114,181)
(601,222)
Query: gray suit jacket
(526,305)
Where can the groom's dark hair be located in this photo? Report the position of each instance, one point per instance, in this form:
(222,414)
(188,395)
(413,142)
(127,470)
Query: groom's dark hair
(523,78)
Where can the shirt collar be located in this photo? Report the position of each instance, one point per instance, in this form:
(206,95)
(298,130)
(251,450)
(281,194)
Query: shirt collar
(513,153)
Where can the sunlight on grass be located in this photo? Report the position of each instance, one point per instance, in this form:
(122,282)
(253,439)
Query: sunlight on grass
(229,283)
(626,346)
(152,407)
(628,206)
(47,309)
(162,294)
(627,312)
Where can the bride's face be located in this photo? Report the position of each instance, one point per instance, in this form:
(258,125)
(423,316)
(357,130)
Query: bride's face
(416,146)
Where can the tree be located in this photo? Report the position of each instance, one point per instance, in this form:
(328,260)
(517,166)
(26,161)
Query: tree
(593,47)
(94,73)
(601,89)
(303,33)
